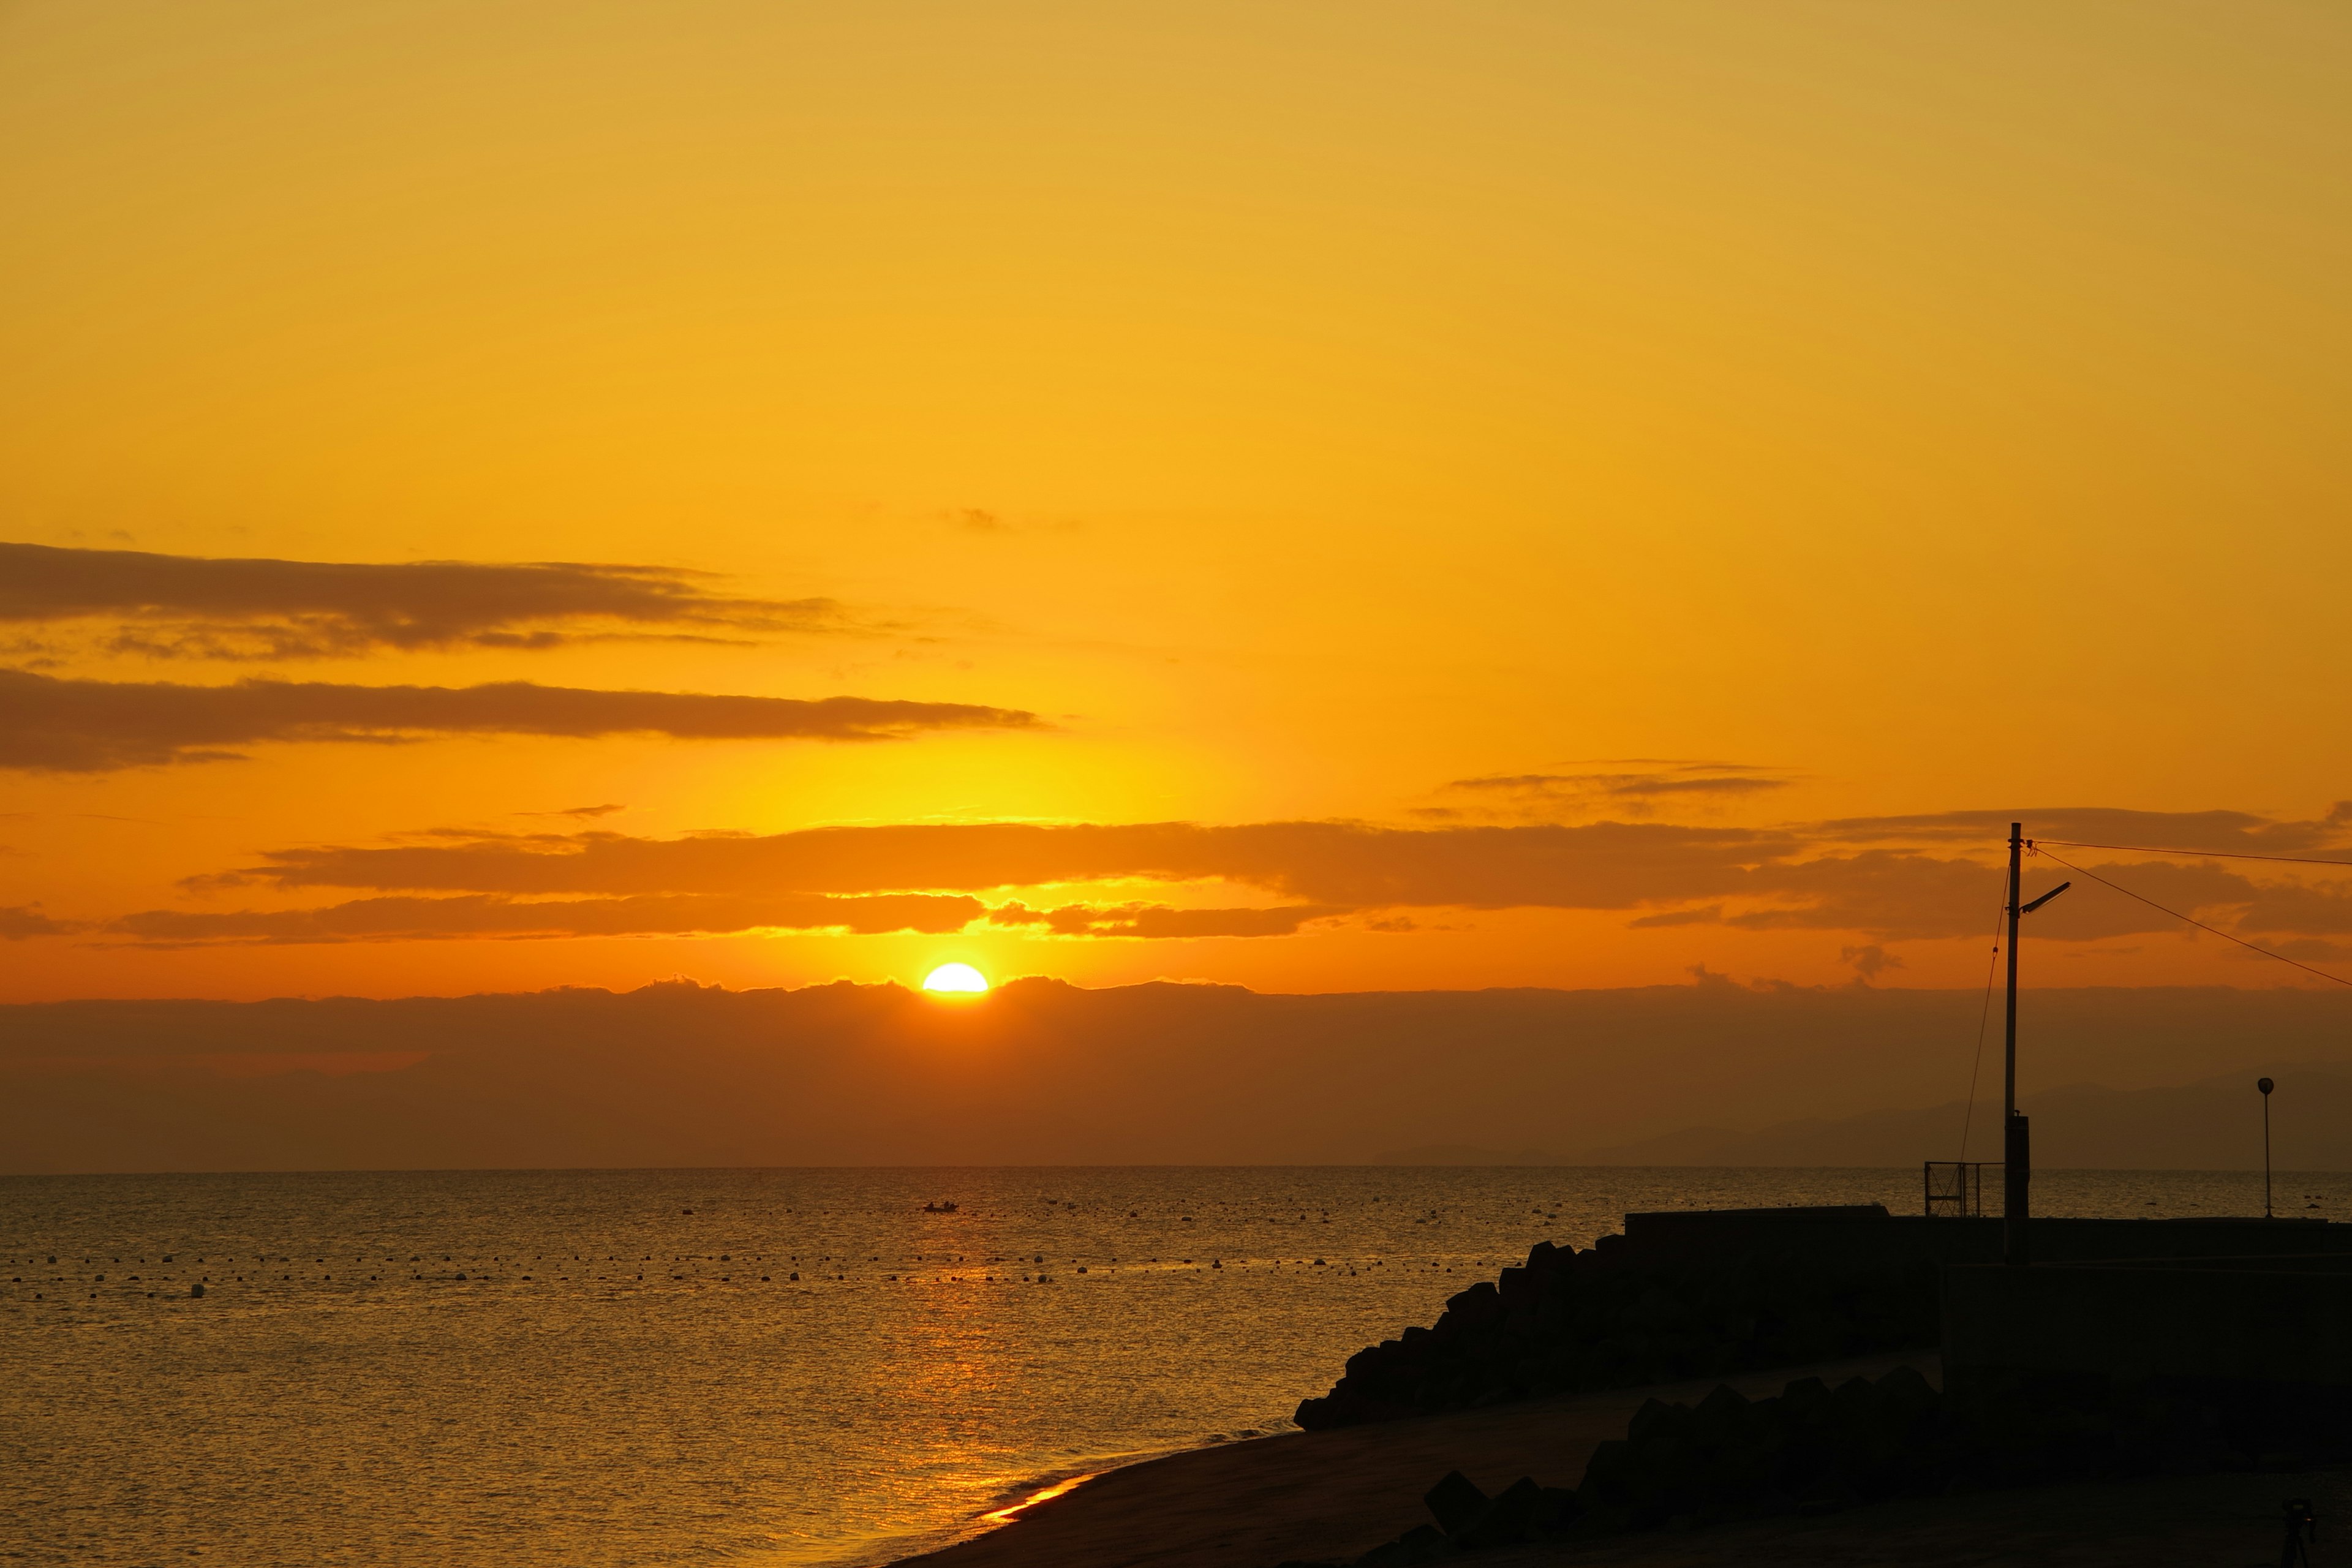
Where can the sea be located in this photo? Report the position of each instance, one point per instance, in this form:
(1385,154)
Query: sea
(813,1368)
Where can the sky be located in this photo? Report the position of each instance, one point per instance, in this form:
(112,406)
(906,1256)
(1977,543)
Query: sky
(1316,497)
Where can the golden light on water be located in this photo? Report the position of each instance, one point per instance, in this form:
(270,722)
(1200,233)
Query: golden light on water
(1043,1494)
(960,979)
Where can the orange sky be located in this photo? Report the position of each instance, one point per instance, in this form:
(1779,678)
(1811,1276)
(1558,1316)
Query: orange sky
(1258,419)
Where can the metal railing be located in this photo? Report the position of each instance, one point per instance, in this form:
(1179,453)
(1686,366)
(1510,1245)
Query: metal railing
(1957,1188)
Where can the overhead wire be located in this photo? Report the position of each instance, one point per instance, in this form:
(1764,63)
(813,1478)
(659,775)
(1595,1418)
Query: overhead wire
(2192,919)
(1984,1017)
(2209,854)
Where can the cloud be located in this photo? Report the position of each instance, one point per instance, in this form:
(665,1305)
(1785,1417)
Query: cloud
(1699,915)
(1658,876)
(1900,896)
(1869,961)
(1160,921)
(18,922)
(2183,830)
(2324,908)
(1653,783)
(57,725)
(414,918)
(1662,876)
(201,607)
(2308,950)
(1343,864)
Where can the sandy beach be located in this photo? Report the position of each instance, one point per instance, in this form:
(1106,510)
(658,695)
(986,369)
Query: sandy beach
(1331,1496)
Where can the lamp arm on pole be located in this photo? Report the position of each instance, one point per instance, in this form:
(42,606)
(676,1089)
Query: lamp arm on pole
(2045,898)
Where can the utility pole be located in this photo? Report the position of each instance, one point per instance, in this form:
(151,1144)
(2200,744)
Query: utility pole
(2266,1086)
(2016,1147)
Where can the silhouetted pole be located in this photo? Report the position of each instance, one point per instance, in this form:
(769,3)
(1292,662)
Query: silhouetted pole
(2265,1085)
(2016,1151)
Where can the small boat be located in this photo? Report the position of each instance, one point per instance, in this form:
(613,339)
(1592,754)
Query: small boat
(939,1208)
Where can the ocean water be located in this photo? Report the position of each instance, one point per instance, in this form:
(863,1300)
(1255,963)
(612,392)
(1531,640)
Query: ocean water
(788,1367)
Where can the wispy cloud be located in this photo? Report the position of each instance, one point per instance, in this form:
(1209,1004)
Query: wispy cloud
(187,606)
(1160,920)
(18,922)
(56,725)
(1338,864)
(415,919)
(1636,786)
(2239,831)
(1658,875)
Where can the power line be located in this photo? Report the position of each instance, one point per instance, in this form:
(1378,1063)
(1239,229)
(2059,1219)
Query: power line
(2209,854)
(1984,1016)
(2200,925)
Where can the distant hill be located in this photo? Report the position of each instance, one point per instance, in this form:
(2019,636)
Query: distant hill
(2215,1124)
(1044,1073)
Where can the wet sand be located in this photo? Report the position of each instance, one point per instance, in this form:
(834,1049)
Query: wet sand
(1332,1496)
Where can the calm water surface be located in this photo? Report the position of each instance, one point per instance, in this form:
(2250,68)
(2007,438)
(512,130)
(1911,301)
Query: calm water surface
(597,1368)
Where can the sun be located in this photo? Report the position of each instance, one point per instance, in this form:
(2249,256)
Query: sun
(962,978)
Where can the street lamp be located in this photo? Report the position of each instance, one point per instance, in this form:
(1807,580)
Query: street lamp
(2017,1152)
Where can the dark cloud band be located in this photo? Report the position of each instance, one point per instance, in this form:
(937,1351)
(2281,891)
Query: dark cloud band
(1343,864)
(1162,923)
(412,919)
(1661,874)
(198,607)
(93,726)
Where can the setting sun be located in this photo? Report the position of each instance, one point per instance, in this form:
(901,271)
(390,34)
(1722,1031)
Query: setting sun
(956,977)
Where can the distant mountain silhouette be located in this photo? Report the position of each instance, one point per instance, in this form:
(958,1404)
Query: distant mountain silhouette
(2215,1124)
(1045,1073)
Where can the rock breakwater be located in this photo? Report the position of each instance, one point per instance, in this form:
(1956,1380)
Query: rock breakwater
(1814,1449)
(1570,1321)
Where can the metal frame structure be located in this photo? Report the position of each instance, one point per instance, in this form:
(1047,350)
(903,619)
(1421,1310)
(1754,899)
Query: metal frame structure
(1956,1188)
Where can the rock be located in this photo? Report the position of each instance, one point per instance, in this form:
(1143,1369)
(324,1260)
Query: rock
(1318,1415)
(1557,1510)
(1510,1517)
(1656,1418)
(1456,1502)
(1908,1389)
(1515,1284)
(1806,1402)
(1422,1543)
(1469,1310)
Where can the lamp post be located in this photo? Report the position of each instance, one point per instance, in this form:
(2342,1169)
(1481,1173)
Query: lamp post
(2265,1085)
(2016,1144)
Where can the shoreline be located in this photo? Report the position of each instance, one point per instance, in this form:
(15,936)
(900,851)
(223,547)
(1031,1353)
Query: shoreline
(1330,1495)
